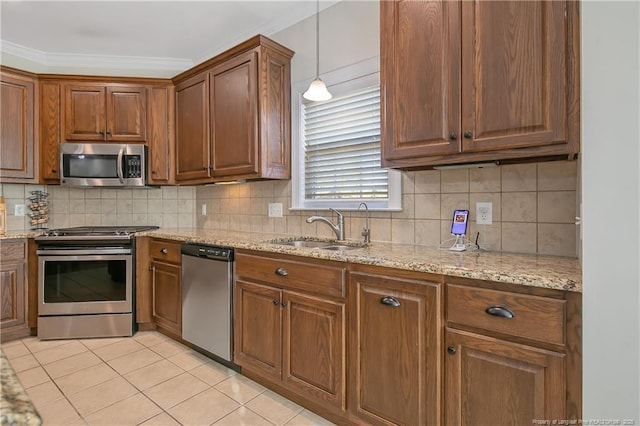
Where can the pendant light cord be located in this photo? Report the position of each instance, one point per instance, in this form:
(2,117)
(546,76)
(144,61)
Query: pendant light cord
(317,38)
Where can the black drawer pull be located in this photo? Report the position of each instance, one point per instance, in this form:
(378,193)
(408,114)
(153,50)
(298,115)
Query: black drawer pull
(390,301)
(499,311)
(451,350)
(282,272)
(276,302)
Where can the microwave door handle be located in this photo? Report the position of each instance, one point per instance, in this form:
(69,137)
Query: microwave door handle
(119,168)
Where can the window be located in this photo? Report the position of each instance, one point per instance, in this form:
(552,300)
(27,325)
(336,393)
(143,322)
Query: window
(338,148)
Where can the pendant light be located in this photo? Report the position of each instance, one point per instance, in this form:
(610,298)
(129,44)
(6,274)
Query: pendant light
(317,90)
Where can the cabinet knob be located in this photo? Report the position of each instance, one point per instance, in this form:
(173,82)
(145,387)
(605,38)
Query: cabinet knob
(390,301)
(150,268)
(451,350)
(282,272)
(468,135)
(164,250)
(109,132)
(153,172)
(283,304)
(500,311)
(276,302)
(54,171)
(453,136)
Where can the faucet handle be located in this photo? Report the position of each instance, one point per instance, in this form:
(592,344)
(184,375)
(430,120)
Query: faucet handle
(340,215)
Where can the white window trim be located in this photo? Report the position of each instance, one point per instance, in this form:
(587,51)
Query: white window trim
(366,73)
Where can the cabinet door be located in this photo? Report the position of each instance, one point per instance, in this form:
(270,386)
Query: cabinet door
(160,135)
(192,128)
(126,113)
(420,78)
(258,329)
(394,361)
(234,116)
(314,348)
(514,80)
(50,130)
(84,112)
(166,295)
(12,291)
(17,141)
(489,381)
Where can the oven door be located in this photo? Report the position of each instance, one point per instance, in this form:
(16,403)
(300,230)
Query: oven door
(72,282)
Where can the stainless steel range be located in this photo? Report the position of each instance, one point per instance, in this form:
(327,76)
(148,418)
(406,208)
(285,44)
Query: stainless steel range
(86,281)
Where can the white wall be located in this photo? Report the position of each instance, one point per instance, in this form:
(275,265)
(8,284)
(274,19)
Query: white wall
(349,33)
(611,194)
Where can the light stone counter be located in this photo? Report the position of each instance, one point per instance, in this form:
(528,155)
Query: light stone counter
(15,406)
(14,235)
(552,272)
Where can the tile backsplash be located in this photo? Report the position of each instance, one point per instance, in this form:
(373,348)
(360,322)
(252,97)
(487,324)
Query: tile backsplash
(534,208)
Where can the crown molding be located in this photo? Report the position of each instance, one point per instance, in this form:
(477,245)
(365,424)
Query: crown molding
(171,66)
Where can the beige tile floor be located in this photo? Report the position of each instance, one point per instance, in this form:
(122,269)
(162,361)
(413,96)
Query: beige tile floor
(147,379)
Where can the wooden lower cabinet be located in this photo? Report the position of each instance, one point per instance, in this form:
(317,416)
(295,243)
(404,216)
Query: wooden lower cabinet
(158,286)
(167,298)
(493,381)
(292,338)
(394,362)
(13,290)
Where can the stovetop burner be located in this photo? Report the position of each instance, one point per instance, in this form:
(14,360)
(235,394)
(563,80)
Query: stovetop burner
(95,231)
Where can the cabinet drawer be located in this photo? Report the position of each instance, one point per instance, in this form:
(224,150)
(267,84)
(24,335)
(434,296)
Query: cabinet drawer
(166,251)
(13,250)
(534,317)
(320,279)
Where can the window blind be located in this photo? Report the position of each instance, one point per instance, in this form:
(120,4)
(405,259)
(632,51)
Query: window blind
(342,148)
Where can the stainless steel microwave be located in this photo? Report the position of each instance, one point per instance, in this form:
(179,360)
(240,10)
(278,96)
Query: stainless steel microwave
(103,164)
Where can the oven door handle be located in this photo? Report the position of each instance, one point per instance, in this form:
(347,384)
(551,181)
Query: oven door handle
(91,252)
(119,169)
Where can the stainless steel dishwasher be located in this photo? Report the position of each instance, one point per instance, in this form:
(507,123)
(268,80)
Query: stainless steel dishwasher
(207,287)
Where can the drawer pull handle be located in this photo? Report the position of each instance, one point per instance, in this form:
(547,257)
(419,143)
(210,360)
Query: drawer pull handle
(282,272)
(164,251)
(390,301)
(276,302)
(499,311)
(451,350)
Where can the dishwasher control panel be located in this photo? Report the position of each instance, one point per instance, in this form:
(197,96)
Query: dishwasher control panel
(210,252)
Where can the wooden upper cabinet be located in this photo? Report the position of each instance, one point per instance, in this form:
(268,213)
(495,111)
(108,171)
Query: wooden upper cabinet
(50,130)
(98,112)
(476,81)
(18,118)
(234,116)
(161,135)
(192,128)
(127,113)
(515,87)
(420,75)
(492,381)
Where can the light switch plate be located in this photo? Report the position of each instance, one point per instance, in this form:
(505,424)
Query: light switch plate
(275,209)
(203,209)
(19,210)
(484,213)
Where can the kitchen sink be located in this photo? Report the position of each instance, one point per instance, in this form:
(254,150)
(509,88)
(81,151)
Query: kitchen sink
(324,245)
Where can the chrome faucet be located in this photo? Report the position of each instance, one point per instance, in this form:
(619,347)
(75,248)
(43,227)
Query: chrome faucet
(338,229)
(366,231)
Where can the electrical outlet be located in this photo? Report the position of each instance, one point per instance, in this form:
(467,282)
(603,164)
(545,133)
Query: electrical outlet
(275,209)
(19,210)
(203,209)
(484,213)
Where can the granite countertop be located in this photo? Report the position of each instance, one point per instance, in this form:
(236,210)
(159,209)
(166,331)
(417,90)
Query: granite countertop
(560,273)
(14,235)
(15,406)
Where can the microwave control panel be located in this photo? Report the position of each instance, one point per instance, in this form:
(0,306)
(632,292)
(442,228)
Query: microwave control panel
(132,166)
